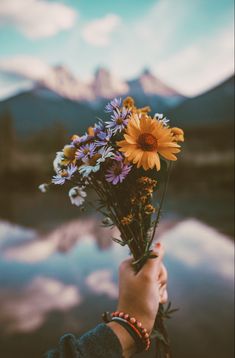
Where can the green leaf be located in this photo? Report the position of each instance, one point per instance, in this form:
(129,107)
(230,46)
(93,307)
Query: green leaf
(120,242)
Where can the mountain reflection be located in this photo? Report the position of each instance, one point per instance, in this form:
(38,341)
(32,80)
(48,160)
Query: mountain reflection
(63,280)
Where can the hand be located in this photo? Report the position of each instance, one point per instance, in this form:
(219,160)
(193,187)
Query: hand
(140,295)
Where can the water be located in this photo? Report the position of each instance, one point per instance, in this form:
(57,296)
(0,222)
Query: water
(58,273)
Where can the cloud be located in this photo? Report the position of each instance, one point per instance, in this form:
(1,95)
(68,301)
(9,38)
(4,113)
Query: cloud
(27,67)
(19,74)
(27,310)
(200,66)
(26,245)
(199,246)
(98,32)
(190,55)
(36,19)
(100,282)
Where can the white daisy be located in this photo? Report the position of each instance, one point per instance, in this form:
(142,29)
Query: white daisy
(77,195)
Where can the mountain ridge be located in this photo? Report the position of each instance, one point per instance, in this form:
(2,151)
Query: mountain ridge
(36,110)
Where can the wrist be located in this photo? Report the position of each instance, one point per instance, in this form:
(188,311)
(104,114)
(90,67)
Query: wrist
(126,341)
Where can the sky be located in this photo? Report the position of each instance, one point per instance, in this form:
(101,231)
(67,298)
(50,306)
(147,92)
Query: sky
(186,43)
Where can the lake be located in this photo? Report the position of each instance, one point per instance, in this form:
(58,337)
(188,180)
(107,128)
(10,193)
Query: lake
(58,273)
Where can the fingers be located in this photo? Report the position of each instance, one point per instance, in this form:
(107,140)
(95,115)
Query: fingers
(152,266)
(163,276)
(163,294)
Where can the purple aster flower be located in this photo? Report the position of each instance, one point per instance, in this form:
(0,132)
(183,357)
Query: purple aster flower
(92,165)
(119,120)
(80,140)
(118,157)
(85,151)
(64,175)
(103,138)
(117,173)
(99,127)
(112,105)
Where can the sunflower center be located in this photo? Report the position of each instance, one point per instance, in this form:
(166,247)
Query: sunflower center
(147,142)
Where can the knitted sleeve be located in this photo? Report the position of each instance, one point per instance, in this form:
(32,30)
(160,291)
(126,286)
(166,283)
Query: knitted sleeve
(100,342)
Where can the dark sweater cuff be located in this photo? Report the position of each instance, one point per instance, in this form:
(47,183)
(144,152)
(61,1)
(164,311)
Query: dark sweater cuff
(100,342)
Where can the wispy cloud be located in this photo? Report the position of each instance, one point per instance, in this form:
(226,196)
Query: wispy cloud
(27,310)
(198,246)
(201,65)
(28,67)
(180,49)
(101,282)
(19,73)
(98,32)
(37,19)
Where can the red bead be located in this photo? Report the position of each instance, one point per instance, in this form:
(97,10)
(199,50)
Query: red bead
(146,335)
(144,330)
(121,314)
(132,320)
(126,316)
(139,324)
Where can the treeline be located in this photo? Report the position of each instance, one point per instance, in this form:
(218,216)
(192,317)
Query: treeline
(24,158)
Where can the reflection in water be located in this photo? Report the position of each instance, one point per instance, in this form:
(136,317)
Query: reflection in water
(61,239)
(101,282)
(27,309)
(62,281)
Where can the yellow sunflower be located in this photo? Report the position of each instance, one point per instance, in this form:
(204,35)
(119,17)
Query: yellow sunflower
(178,134)
(145,139)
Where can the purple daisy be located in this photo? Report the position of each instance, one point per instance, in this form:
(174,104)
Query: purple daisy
(80,140)
(118,157)
(85,151)
(117,173)
(103,138)
(119,120)
(113,105)
(64,175)
(99,127)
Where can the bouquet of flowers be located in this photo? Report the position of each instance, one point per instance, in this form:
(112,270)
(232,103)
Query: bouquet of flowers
(126,161)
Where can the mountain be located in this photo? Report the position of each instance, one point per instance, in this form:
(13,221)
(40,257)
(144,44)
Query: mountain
(149,89)
(61,97)
(48,103)
(36,110)
(61,81)
(105,85)
(213,107)
(150,85)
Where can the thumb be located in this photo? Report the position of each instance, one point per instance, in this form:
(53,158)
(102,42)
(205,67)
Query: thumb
(152,266)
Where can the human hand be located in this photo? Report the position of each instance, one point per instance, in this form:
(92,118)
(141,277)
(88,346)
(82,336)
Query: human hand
(140,295)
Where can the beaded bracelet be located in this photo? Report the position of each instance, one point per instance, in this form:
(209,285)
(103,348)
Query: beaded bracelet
(139,333)
(134,333)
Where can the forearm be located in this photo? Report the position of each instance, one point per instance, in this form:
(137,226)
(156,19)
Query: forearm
(127,342)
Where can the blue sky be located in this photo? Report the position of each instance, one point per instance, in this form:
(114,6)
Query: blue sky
(186,43)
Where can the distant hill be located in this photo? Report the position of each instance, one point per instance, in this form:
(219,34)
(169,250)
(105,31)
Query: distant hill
(41,108)
(36,110)
(61,98)
(213,107)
